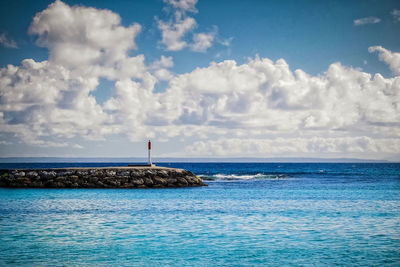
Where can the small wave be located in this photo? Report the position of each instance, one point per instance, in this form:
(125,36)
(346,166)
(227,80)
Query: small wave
(233,177)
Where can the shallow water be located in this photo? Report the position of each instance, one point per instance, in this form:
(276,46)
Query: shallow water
(312,214)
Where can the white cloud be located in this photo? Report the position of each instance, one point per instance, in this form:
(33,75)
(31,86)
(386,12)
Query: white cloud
(45,99)
(163,74)
(392,59)
(266,96)
(202,41)
(396,14)
(259,100)
(7,42)
(163,62)
(160,66)
(173,32)
(186,5)
(367,20)
(42,143)
(226,42)
(53,98)
(314,146)
(79,36)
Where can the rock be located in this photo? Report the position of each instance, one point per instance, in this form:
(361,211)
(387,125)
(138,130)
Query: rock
(66,173)
(82,173)
(149,173)
(23,180)
(123,179)
(93,179)
(61,179)
(74,178)
(137,173)
(37,184)
(159,181)
(110,173)
(138,181)
(172,182)
(163,174)
(96,172)
(123,173)
(91,185)
(182,181)
(47,174)
(99,178)
(67,184)
(31,174)
(19,174)
(148,181)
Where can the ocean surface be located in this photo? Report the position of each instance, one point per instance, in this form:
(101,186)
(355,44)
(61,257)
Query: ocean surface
(251,214)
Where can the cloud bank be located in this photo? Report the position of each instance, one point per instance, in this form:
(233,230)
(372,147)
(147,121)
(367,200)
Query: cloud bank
(259,108)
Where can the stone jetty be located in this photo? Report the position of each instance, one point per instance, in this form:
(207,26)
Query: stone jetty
(104,177)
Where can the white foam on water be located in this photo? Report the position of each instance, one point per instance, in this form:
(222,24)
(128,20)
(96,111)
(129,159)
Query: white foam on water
(258,176)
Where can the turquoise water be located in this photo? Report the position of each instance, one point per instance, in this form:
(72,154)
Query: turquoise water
(250,214)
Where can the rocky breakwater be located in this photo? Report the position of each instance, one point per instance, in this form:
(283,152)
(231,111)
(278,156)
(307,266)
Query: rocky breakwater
(110,177)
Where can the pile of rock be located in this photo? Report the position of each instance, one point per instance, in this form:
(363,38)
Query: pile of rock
(113,177)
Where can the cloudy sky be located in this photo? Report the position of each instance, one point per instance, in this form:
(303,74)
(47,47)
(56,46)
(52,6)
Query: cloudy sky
(200,78)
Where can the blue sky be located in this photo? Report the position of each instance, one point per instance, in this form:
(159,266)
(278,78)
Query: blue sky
(198,97)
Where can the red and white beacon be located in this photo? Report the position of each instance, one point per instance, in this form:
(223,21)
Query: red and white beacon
(149,147)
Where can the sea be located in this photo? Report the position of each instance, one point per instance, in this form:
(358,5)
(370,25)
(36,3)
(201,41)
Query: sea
(250,214)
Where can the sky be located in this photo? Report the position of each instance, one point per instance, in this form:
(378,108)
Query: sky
(200,78)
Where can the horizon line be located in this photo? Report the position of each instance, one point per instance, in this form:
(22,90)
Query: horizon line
(32,159)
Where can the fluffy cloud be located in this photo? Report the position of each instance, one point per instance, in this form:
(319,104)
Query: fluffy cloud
(163,62)
(173,31)
(7,42)
(160,68)
(367,20)
(53,98)
(184,5)
(263,95)
(80,36)
(44,99)
(202,41)
(392,59)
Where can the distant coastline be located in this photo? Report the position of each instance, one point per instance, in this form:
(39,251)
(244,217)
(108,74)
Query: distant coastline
(199,159)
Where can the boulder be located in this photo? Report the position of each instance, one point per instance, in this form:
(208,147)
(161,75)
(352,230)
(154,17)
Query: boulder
(159,181)
(148,181)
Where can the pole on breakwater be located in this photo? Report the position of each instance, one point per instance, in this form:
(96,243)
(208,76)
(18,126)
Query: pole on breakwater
(149,149)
